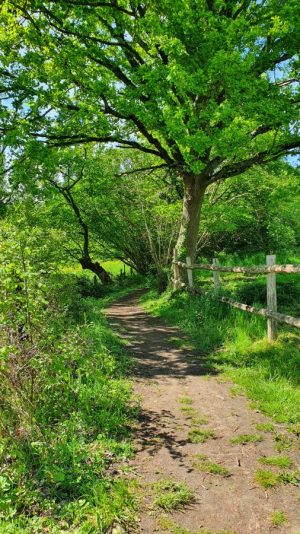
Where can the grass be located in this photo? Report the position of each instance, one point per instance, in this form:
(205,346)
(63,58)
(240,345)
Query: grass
(171,495)
(189,410)
(265,427)
(267,479)
(243,439)
(290,477)
(171,526)
(278,518)
(294,429)
(278,461)
(199,420)
(233,343)
(186,400)
(283,442)
(196,435)
(55,475)
(202,463)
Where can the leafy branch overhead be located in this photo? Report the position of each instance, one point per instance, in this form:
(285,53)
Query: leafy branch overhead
(209,88)
(185,84)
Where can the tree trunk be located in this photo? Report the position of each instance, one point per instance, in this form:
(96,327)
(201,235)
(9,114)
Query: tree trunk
(97,269)
(186,245)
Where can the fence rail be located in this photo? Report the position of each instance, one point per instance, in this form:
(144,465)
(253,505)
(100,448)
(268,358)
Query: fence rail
(288,268)
(270,269)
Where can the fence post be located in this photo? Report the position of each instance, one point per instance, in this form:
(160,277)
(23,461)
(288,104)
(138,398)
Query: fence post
(189,273)
(271,298)
(216,277)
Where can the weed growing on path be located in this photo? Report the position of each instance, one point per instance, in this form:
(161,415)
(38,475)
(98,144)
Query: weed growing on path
(278,518)
(202,463)
(172,495)
(243,439)
(174,528)
(186,400)
(278,461)
(267,479)
(189,410)
(283,442)
(199,421)
(294,429)
(265,427)
(290,477)
(196,435)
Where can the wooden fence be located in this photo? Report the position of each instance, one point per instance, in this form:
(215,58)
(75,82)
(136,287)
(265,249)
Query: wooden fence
(270,269)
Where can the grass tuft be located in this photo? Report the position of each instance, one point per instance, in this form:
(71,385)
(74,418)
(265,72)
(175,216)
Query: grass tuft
(189,410)
(278,518)
(290,477)
(186,400)
(265,427)
(202,463)
(267,479)
(278,461)
(196,435)
(243,439)
(199,421)
(172,495)
(294,429)
(283,442)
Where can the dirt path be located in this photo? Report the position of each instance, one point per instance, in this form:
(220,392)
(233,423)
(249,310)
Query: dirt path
(177,397)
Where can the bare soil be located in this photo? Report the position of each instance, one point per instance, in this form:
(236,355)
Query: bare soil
(166,375)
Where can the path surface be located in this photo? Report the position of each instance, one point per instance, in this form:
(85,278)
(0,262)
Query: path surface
(166,375)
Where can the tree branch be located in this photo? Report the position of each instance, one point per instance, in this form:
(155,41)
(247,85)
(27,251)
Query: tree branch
(263,157)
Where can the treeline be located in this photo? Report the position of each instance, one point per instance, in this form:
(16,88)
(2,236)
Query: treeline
(96,205)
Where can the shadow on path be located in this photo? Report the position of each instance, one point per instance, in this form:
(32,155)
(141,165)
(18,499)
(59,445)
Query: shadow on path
(151,344)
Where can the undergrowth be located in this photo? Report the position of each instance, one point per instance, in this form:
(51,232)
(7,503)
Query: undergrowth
(66,406)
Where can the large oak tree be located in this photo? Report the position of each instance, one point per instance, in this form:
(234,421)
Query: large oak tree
(209,88)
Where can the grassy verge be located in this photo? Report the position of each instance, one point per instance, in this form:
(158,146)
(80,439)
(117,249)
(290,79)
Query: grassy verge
(65,469)
(234,343)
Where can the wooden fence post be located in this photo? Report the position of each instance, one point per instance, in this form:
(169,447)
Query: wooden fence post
(189,273)
(271,298)
(216,277)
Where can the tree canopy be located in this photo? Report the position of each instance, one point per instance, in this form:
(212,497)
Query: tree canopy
(206,88)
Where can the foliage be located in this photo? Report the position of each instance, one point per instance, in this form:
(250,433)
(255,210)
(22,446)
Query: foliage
(257,214)
(207,93)
(66,406)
